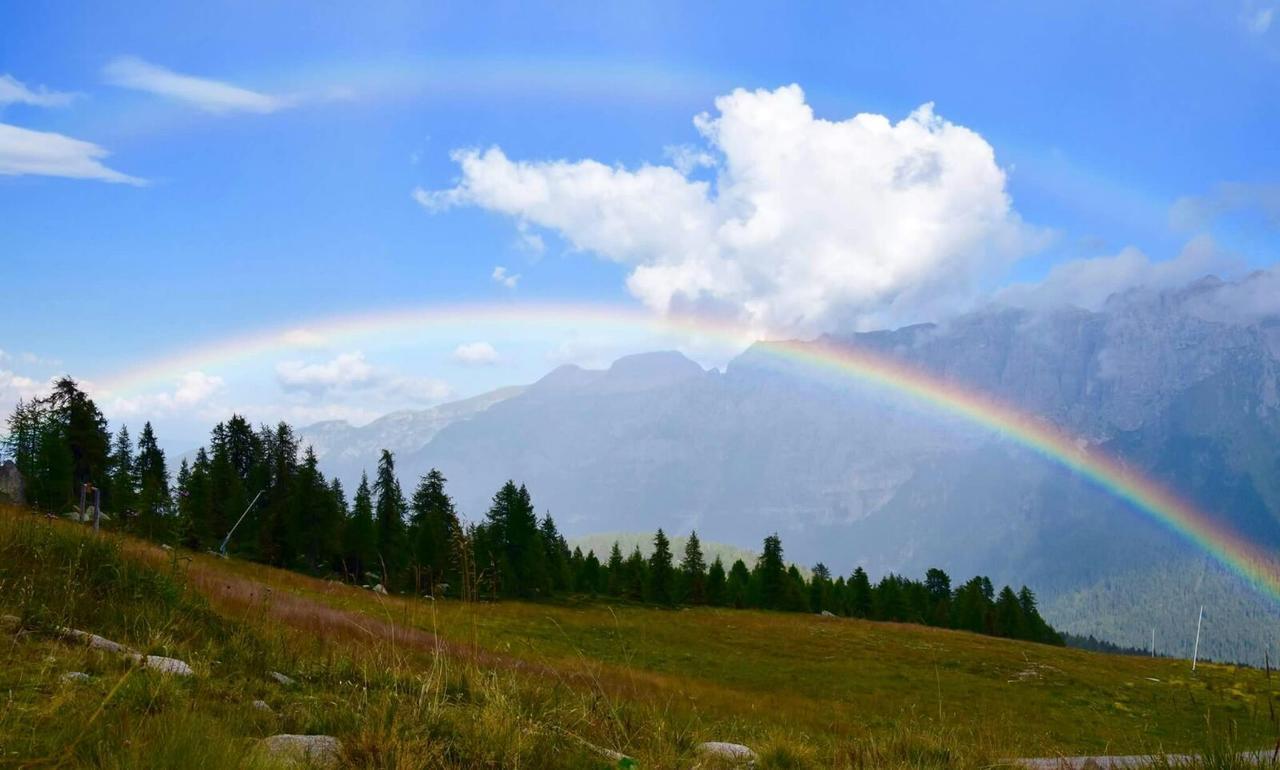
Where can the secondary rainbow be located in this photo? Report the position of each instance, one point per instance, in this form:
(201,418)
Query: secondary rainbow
(1145,494)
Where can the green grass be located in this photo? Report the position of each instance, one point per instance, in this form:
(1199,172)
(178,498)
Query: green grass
(412,683)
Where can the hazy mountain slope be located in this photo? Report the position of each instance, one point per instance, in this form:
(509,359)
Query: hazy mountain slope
(346,450)
(1182,383)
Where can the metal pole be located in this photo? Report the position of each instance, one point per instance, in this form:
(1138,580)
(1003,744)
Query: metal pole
(1195,653)
(222,549)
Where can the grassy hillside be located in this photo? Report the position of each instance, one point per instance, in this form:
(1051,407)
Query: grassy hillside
(411,683)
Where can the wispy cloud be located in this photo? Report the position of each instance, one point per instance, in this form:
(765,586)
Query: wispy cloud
(1258,20)
(475,354)
(502,276)
(14,91)
(214,96)
(43,153)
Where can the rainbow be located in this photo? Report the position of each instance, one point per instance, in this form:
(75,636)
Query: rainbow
(1143,493)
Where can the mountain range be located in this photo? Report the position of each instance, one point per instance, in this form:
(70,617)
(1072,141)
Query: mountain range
(1183,383)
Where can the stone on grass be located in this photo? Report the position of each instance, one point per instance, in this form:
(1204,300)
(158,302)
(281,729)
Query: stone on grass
(94,641)
(378,589)
(75,677)
(303,750)
(162,664)
(827,614)
(282,679)
(263,706)
(735,752)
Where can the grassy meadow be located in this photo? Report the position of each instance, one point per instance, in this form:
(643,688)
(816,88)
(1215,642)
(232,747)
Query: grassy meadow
(408,683)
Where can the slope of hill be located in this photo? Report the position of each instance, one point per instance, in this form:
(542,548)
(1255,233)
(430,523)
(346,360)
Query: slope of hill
(446,684)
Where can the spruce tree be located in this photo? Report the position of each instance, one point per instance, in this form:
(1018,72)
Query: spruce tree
(860,594)
(361,545)
(636,575)
(693,572)
(738,586)
(1008,615)
(716,584)
(662,578)
(389,526)
(615,572)
(772,574)
(152,480)
(122,488)
(433,526)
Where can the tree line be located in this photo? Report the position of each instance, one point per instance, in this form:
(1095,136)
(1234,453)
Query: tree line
(298,519)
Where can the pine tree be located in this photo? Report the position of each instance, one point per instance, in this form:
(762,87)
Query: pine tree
(514,542)
(717,584)
(432,528)
(1008,615)
(152,480)
(389,515)
(615,577)
(662,578)
(556,555)
(361,542)
(637,578)
(738,585)
(693,572)
(122,490)
(772,574)
(820,589)
(590,579)
(860,594)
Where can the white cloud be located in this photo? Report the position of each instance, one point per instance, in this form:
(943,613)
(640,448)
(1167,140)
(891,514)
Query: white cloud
(43,153)
(475,354)
(687,159)
(210,95)
(14,91)
(13,387)
(191,396)
(1087,283)
(501,276)
(1259,20)
(1197,211)
(347,370)
(811,224)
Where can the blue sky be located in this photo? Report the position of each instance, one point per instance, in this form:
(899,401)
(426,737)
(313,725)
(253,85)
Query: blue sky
(277,150)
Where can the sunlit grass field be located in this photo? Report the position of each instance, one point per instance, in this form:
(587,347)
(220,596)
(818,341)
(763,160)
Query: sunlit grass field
(410,682)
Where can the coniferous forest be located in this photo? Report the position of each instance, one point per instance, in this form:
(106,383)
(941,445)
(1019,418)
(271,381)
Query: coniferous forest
(416,542)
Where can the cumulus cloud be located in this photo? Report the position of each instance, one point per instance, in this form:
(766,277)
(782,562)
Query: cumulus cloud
(43,153)
(500,275)
(1193,212)
(213,96)
(475,354)
(1087,283)
(347,370)
(14,91)
(191,394)
(14,386)
(810,224)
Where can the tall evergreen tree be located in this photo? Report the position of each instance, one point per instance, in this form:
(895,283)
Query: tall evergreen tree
(433,525)
(151,477)
(361,542)
(123,490)
(860,599)
(717,589)
(693,572)
(738,586)
(772,574)
(662,577)
(556,555)
(616,578)
(389,524)
(636,572)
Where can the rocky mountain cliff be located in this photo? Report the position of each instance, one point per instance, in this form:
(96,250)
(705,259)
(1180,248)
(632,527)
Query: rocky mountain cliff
(1182,383)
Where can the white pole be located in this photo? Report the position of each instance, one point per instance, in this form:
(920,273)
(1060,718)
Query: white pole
(1195,652)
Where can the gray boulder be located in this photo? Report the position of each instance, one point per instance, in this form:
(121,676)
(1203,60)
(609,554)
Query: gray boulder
(12,489)
(735,753)
(163,665)
(75,677)
(282,679)
(314,751)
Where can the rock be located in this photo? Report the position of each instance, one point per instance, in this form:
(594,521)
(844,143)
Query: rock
(96,642)
(12,489)
(76,677)
(282,679)
(320,751)
(378,589)
(263,706)
(826,614)
(163,665)
(166,547)
(734,752)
